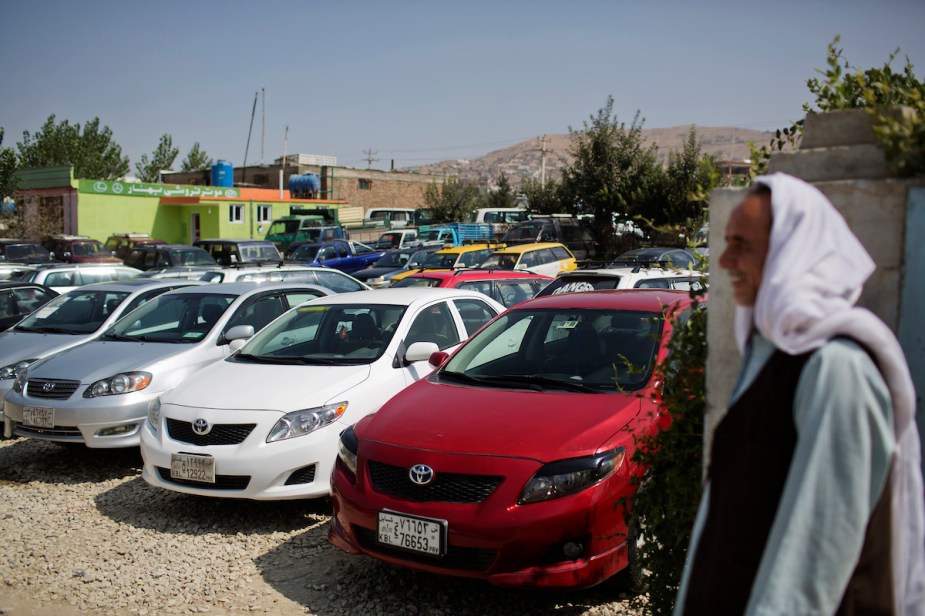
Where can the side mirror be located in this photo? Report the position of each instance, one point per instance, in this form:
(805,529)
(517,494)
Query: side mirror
(421,351)
(239,332)
(438,359)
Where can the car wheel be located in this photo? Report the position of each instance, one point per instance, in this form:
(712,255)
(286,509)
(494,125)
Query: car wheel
(633,577)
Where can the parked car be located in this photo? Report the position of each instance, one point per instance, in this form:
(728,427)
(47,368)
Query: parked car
(23,251)
(71,319)
(572,232)
(637,277)
(237,251)
(669,257)
(19,299)
(98,393)
(469,255)
(14,271)
(347,256)
(404,238)
(545,258)
(392,263)
(65,277)
(333,279)
(321,367)
(156,256)
(504,286)
(510,463)
(122,244)
(78,249)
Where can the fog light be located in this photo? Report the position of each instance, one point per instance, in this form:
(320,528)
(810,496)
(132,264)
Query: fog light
(573,550)
(113,431)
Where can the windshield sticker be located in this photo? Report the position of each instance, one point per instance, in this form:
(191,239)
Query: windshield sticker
(574,287)
(44,313)
(314,308)
(567,325)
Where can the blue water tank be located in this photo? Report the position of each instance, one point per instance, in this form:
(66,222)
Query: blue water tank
(304,185)
(223,174)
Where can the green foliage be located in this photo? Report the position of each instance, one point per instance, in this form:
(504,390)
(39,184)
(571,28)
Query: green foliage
(7,169)
(161,159)
(91,151)
(503,196)
(451,201)
(878,90)
(543,199)
(665,506)
(612,172)
(196,159)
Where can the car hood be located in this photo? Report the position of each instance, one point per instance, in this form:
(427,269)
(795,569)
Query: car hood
(238,385)
(16,346)
(373,272)
(543,426)
(102,359)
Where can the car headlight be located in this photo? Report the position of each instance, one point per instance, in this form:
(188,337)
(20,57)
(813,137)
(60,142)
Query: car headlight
(347,447)
(10,371)
(154,414)
(300,423)
(21,378)
(566,477)
(123,383)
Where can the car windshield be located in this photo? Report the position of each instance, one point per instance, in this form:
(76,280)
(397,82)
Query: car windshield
(417,281)
(305,253)
(433,235)
(440,261)
(524,232)
(78,312)
(282,227)
(593,350)
(24,251)
(259,252)
(191,257)
(172,318)
(392,259)
(320,334)
(500,261)
(88,249)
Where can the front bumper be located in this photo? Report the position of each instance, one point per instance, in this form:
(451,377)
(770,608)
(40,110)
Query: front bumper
(252,468)
(495,540)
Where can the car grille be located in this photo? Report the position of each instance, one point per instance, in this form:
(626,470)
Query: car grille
(51,389)
(222,482)
(306,474)
(70,432)
(447,488)
(472,559)
(220,434)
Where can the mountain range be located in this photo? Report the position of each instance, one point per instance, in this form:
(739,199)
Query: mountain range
(525,159)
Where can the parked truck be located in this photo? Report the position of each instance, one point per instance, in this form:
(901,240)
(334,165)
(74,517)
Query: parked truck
(455,233)
(308,224)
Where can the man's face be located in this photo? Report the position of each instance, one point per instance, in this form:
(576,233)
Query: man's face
(748,235)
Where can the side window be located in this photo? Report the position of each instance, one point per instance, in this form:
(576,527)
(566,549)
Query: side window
(679,259)
(294,298)
(560,253)
(256,312)
(89,276)
(341,250)
(481,286)
(340,283)
(474,314)
(653,283)
(433,324)
(529,259)
(512,292)
(545,256)
(27,300)
(7,307)
(470,259)
(60,279)
(149,259)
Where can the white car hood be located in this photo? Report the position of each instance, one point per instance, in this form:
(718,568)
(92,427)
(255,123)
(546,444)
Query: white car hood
(17,346)
(231,385)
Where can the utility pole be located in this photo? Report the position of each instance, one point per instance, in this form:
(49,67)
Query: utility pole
(263,121)
(543,163)
(369,158)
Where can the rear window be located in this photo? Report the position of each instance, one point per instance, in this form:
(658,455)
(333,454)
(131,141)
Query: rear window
(580,284)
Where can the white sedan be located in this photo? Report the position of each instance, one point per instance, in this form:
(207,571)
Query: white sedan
(265,423)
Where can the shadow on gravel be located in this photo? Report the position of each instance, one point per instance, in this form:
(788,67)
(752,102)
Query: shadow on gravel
(325,581)
(142,506)
(26,460)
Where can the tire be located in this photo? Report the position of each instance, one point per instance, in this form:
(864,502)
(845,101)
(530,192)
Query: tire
(632,578)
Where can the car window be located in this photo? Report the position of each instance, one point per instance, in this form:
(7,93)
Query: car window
(59,279)
(257,312)
(511,292)
(75,312)
(506,344)
(184,317)
(294,298)
(653,283)
(28,299)
(480,286)
(579,284)
(560,253)
(417,281)
(679,259)
(7,305)
(89,276)
(686,284)
(529,259)
(433,324)
(336,281)
(474,314)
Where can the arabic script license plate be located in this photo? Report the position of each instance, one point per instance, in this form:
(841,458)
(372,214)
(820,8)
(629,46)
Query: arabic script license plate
(412,533)
(38,416)
(192,467)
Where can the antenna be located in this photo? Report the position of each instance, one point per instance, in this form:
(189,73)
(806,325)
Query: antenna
(248,146)
(369,158)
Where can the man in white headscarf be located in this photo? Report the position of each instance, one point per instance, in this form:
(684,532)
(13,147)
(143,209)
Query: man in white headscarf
(814,499)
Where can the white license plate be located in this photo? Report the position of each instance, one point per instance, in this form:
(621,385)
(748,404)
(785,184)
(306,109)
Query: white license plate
(412,533)
(192,467)
(38,416)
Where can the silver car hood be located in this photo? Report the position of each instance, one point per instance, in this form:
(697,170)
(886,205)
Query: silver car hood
(99,359)
(17,346)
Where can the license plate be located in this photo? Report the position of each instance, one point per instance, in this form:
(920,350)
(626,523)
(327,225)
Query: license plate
(412,533)
(38,416)
(192,467)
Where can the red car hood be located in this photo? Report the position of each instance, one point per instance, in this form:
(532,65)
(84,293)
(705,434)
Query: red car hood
(543,426)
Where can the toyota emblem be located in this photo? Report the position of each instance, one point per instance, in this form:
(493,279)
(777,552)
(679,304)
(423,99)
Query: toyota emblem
(201,426)
(421,474)
(48,386)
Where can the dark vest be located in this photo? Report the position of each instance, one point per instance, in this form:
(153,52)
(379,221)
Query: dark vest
(751,455)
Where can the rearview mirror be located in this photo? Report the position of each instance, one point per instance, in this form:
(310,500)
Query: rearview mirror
(239,332)
(438,359)
(421,351)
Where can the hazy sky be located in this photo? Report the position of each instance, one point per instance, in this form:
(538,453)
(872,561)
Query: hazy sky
(419,81)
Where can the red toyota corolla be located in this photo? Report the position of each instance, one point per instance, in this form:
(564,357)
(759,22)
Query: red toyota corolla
(510,462)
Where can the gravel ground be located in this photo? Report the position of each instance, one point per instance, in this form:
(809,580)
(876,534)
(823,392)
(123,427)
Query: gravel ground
(82,532)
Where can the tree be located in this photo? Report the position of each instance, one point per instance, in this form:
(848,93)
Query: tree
(92,152)
(451,201)
(503,196)
(612,171)
(7,169)
(162,158)
(543,199)
(196,159)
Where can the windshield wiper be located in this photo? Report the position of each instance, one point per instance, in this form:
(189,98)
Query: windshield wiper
(542,382)
(146,338)
(120,337)
(49,329)
(287,359)
(463,377)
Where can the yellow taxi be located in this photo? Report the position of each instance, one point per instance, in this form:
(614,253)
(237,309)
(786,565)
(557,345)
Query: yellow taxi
(547,258)
(468,255)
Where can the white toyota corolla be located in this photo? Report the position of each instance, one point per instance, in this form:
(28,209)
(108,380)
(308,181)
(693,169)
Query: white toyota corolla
(265,423)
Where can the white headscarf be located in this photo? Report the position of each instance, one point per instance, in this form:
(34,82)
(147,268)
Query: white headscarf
(813,275)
